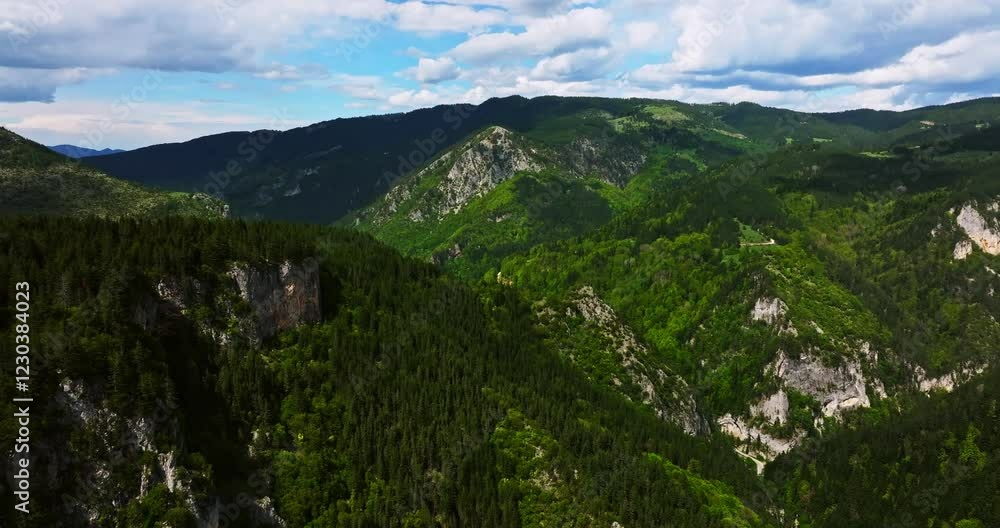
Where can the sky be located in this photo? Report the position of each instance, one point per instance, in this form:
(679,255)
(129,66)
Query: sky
(131,73)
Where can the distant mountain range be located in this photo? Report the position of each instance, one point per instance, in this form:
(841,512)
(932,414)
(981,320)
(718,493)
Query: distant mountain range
(530,312)
(76,152)
(321,172)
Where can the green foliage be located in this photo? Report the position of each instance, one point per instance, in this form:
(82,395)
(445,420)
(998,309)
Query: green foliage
(398,409)
(35,180)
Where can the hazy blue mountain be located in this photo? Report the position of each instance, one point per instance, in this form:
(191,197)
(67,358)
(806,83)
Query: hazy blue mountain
(76,152)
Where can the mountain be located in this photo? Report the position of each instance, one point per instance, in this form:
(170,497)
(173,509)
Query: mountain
(36,180)
(321,172)
(782,290)
(254,374)
(562,311)
(72,151)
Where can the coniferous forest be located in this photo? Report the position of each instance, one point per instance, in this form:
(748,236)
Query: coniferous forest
(580,312)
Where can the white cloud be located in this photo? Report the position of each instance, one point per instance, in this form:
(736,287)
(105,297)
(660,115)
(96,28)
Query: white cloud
(643,35)
(434,70)
(420,17)
(32,84)
(98,124)
(580,28)
(583,64)
(718,34)
(366,87)
(966,58)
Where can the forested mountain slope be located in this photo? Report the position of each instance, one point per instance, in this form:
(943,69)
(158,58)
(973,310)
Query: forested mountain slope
(321,172)
(934,464)
(586,312)
(259,374)
(780,290)
(36,180)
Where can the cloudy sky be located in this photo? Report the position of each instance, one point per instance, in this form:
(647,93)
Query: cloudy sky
(129,73)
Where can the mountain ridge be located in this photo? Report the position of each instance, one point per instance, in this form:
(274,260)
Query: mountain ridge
(74,151)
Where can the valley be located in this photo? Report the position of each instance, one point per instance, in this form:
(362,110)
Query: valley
(563,311)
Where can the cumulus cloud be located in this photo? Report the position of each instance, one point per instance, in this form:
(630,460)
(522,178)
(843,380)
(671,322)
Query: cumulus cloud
(421,17)
(364,87)
(27,84)
(808,55)
(966,58)
(585,64)
(580,28)
(434,70)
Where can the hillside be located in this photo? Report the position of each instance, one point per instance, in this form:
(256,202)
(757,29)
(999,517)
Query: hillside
(272,375)
(565,311)
(36,180)
(321,172)
(782,291)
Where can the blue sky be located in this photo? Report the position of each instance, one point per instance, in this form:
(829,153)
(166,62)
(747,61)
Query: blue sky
(129,73)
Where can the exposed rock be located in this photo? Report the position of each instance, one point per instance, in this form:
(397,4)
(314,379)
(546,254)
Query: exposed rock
(772,311)
(837,389)
(168,465)
(266,514)
(947,382)
(774,408)
(667,394)
(482,166)
(984,233)
(282,298)
(769,310)
(963,249)
(757,444)
(612,163)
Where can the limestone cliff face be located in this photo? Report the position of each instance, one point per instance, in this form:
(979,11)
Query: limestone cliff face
(482,166)
(614,164)
(666,393)
(982,231)
(248,305)
(836,386)
(459,176)
(281,297)
(141,452)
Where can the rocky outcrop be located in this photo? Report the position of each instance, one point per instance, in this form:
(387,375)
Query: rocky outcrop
(282,297)
(666,393)
(612,163)
(482,166)
(983,232)
(123,445)
(773,408)
(947,382)
(773,311)
(755,443)
(837,389)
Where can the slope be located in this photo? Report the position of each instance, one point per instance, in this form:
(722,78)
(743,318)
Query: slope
(35,180)
(266,374)
(321,172)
